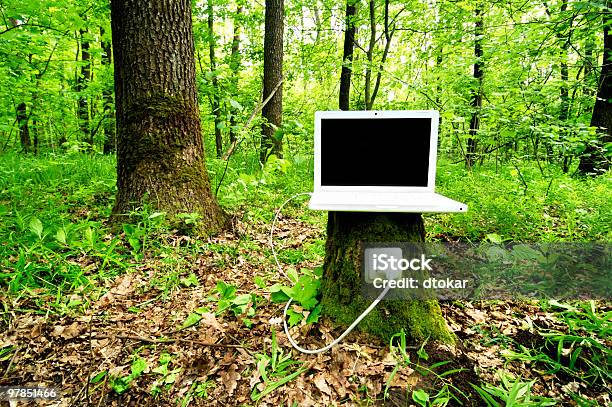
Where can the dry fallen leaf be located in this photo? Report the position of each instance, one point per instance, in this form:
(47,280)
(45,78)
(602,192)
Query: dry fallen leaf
(67,332)
(321,384)
(230,379)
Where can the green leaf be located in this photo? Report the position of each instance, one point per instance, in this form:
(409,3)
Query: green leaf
(235,104)
(314,315)
(242,299)
(190,281)
(139,365)
(420,397)
(60,236)
(36,227)
(120,384)
(294,317)
(279,296)
(191,320)
(155,215)
(98,377)
(305,291)
(226,291)
(494,238)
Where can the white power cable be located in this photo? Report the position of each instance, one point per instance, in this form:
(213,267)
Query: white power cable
(349,329)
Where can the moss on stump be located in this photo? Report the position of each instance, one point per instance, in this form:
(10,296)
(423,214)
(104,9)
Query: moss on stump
(341,283)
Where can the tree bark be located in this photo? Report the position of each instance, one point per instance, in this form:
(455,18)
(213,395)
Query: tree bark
(272,112)
(370,56)
(160,158)
(340,285)
(24,130)
(347,55)
(110,135)
(594,160)
(235,64)
(564,91)
(215,96)
(82,81)
(470,155)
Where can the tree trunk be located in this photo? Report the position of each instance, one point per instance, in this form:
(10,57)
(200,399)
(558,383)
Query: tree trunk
(82,81)
(470,155)
(341,291)
(160,158)
(370,56)
(594,161)
(388,35)
(235,68)
(347,55)
(24,130)
(340,285)
(110,135)
(272,112)
(564,91)
(215,97)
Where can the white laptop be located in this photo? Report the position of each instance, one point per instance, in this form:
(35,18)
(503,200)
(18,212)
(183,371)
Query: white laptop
(377,161)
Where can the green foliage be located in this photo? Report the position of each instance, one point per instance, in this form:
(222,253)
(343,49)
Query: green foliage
(240,304)
(121,384)
(447,392)
(304,292)
(580,351)
(275,370)
(168,376)
(511,393)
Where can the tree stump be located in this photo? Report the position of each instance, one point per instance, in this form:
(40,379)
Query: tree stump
(341,283)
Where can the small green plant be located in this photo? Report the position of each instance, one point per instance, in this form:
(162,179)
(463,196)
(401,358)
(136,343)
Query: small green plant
(511,392)
(447,392)
(242,304)
(138,234)
(121,384)
(304,293)
(579,352)
(168,376)
(275,370)
(203,388)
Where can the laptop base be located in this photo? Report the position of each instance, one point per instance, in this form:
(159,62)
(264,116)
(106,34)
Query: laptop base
(417,202)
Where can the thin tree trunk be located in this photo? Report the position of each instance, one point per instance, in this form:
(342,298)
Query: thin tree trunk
(563,91)
(273,73)
(588,66)
(594,160)
(110,135)
(215,96)
(347,55)
(82,82)
(388,34)
(370,55)
(235,64)
(470,155)
(21,116)
(160,157)
(24,130)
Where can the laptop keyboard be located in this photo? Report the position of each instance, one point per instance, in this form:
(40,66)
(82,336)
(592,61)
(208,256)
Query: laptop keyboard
(381,198)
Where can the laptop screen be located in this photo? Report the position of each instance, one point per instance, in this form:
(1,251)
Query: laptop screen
(391,152)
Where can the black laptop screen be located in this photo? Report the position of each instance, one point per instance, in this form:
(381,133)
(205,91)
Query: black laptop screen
(375,152)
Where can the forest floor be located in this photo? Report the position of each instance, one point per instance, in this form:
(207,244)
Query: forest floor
(116,343)
(150,316)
